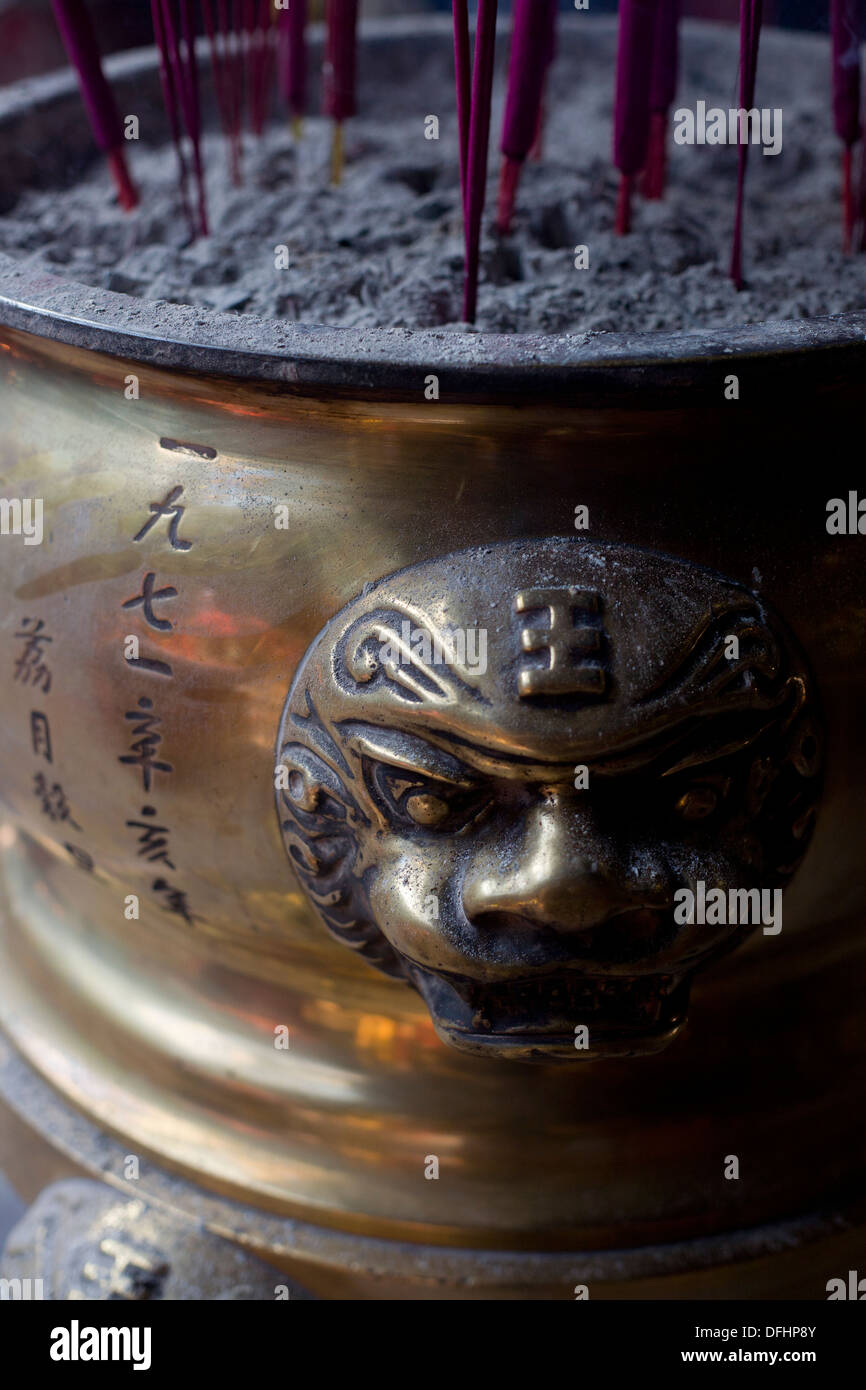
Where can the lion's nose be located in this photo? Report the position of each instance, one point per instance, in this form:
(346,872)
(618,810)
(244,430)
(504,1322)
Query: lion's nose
(564,874)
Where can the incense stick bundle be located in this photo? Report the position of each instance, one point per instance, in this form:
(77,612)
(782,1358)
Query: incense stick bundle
(663,89)
(532,45)
(339,73)
(637,23)
(293,60)
(79,40)
(479,143)
(750,35)
(845,24)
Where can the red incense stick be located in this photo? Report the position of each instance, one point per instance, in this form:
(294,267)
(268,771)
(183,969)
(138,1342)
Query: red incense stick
(537,151)
(293,60)
(750,35)
(532,44)
(663,89)
(339,73)
(257,37)
(462,72)
(479,143)
(79,40)
(631,113)
(845,24)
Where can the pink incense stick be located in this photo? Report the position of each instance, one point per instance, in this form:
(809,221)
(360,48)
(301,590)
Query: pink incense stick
(532,45)
(663,89)
(845,24)
(256,40)
(462,72)
(479,143)
(631,115)
(79,40)
(293,60)
(537,151)
(267,40)
(750,35)
(339,73)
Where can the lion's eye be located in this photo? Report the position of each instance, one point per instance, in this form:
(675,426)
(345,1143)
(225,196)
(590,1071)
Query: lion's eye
(698,803)
(414,800)
(426,809)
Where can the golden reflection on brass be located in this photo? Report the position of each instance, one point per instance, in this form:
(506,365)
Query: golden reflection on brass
(161,1026)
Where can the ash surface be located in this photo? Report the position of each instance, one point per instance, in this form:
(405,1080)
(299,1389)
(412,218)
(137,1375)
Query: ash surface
(385,249)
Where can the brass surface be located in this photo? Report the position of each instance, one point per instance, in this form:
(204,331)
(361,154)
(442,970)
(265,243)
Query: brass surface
(162,1028)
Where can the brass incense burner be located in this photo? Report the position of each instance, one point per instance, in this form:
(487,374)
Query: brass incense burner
(308,661)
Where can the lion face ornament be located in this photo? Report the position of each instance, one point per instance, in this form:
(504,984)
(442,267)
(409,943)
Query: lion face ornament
(497,768)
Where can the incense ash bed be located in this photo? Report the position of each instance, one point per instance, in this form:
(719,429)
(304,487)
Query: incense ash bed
(385,248)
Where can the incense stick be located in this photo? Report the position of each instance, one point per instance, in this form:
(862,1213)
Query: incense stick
(479,142)
(462,73)
(845,23)
(663,89)
(532,44)
(293,61)
(79,40)
(339,74)
(631,114)
(750,35)
(188,31)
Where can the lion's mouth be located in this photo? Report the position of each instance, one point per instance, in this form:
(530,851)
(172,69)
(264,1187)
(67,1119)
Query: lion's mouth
(566,1015)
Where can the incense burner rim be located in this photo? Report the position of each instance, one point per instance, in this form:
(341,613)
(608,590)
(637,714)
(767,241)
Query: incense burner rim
(323,359)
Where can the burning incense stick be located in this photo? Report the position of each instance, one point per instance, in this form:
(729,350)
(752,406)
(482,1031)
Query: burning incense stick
(631,114)
(479,142)
(339,73)
(750,35)
(663,89)
(293,61)
(532,44)
(845,23)
(79,40)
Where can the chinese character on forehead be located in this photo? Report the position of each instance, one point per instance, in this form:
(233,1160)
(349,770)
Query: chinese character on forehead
(564,641)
